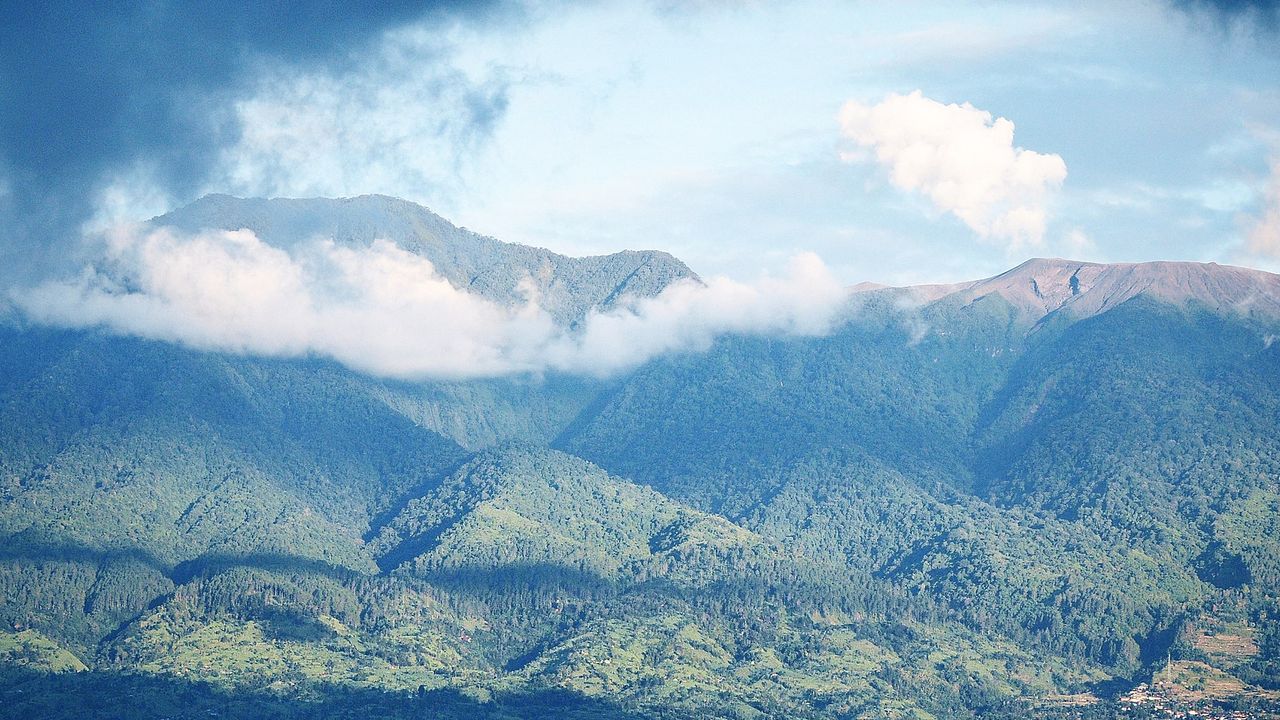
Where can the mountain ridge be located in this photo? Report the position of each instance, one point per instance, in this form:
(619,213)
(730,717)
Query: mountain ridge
(567,287)
(570,287)
(520,504)
(1040,287)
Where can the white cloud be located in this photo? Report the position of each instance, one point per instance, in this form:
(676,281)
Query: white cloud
(1264,235)
(127,196)
(383,310)
(1078,244)
(962,159)
(401,121)
(690,315)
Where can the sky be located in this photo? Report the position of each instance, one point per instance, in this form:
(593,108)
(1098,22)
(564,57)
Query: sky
(901,143)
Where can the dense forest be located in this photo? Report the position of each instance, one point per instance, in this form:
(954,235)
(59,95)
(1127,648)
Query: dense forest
(946,508)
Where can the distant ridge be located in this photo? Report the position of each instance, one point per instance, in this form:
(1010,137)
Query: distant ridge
(1042,286)
(568,287)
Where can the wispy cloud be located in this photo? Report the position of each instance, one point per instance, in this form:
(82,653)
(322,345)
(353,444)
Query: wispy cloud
(1264,233)
(385,311)
(1250,15)
(402,120)
(962,159)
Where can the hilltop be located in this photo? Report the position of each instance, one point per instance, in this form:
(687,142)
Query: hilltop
(567,287)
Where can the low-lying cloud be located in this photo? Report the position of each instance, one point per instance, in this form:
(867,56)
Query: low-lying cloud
(962,159)
(383,310)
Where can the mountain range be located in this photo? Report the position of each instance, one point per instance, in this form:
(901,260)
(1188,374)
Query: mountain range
(567,287)
(1018,496)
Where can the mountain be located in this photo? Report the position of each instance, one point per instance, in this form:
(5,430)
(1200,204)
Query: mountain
(957,446)
(1041,287)
(531,506)
(1028,495)
(567,287)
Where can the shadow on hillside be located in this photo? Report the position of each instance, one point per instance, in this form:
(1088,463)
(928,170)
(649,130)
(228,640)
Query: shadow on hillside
(24,549)
(102,695)
(213,564)
(19,548)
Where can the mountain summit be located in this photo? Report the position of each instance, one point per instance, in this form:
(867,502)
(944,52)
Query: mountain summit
(1042,286)
(568,287)
(1085,289)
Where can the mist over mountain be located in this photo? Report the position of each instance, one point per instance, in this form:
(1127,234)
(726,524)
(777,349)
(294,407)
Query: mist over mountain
(385,287)
(1023,495)
(566,287)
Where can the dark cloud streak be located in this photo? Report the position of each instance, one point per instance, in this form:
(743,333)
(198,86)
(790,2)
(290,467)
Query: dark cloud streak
(1262,14)
(87,89)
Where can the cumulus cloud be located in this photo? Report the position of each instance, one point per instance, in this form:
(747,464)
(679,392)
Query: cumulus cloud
(962,159)
(1264,235)
(385,311)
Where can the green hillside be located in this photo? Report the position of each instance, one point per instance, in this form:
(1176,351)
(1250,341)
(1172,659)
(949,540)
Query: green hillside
(949,507)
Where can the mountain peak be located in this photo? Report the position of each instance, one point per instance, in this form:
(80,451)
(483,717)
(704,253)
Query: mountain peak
(1041,286)
(568,287)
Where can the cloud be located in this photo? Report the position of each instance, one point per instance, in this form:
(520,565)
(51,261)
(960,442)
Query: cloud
(1264,235)
(400,121)
(1260,14)
(383,310)
(688,315)
(962,159)
(91,91)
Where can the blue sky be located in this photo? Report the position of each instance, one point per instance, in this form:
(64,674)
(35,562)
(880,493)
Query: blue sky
(714,131)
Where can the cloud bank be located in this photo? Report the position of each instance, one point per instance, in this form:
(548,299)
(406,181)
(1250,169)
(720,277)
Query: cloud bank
(385,311)
(962,159)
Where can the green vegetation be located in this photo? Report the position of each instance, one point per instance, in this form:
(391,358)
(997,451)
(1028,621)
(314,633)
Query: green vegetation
(33,650)
(935,512)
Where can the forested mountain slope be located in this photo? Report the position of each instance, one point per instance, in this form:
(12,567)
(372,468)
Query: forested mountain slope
(965,500)
(960,447)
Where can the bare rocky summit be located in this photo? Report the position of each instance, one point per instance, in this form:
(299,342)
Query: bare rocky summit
(1044,286)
